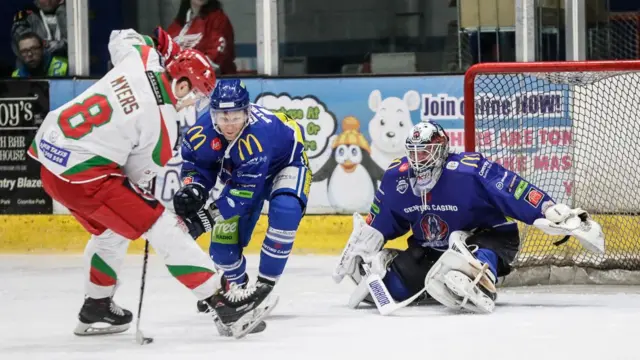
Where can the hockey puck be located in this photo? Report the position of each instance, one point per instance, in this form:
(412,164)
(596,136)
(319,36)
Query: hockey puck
(141,339)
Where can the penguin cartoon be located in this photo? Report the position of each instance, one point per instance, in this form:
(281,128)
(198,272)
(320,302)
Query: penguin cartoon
(352,175)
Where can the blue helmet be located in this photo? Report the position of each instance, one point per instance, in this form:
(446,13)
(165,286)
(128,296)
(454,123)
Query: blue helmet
(229,95)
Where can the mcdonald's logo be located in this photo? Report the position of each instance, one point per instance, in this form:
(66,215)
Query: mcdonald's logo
(246,141)
(471,160)
(197,136)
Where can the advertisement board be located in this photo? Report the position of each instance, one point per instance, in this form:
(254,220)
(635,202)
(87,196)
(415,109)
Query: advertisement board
(23,106)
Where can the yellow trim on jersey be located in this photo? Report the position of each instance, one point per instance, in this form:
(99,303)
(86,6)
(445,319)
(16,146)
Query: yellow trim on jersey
(293,125)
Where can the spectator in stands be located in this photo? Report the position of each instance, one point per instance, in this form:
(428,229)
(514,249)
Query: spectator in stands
(203,25)
(47,19)
(36,61)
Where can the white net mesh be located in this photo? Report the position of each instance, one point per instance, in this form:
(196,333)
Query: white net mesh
(575,135)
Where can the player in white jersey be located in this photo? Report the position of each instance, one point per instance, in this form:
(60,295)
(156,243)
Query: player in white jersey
(99,148)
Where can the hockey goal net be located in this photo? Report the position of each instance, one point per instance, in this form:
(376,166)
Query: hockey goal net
(573,130)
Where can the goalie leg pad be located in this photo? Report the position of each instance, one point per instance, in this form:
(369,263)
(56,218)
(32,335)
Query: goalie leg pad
(460,281)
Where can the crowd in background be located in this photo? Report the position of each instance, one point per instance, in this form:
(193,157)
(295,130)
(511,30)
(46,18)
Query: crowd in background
(39,36)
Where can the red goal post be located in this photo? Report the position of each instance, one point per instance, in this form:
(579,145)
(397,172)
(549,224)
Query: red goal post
(572,129)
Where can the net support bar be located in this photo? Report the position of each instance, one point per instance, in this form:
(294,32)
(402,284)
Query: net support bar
(575,29)
(267,36)
(525,30)
(78,37)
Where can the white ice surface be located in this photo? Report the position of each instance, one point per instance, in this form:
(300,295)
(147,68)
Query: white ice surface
(41,295)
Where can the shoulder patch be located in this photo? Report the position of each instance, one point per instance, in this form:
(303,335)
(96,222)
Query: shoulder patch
(452,165)
(394,163)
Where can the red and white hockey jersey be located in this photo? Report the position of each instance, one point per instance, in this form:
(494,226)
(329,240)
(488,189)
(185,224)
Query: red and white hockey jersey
(124,124)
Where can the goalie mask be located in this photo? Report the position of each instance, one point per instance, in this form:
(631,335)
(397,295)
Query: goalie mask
(427,148)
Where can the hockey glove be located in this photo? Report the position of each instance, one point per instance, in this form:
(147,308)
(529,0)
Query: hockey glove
(203,221)
(189,200)
(165,45)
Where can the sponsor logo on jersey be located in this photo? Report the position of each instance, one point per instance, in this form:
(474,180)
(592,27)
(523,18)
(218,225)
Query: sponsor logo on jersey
(404,167)
(470,160)
(155,87)
(484,171)
(216,144)
(452,165)
(402,186)
(241,174)
(512,183)
(500,184)
(433,227)
(245,143)
(370,218)
(533,197)
(246,194)
(257,160)
(53,153)
(431,207)
(375,209)
(225,232)
(522,186)
(195,134)
(187,180)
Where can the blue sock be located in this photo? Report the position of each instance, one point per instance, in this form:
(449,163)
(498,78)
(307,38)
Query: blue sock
(236,272)
(285,213)
(395,285)
(488,257)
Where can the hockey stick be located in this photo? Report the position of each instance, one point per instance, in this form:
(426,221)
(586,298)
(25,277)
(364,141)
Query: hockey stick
(381,296)
(140,338)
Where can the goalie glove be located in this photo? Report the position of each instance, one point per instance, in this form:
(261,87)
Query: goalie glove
(364,242)
(562,220)
(165,45)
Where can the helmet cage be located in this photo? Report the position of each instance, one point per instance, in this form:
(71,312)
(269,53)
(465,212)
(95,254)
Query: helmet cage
(423,154)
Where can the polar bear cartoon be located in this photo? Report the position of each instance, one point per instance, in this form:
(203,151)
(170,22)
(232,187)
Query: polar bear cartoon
(390,125)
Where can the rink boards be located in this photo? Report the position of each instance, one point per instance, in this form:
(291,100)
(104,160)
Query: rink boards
(317,234)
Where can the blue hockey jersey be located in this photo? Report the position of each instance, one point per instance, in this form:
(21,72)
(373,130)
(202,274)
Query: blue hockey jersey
(268,144)
(472,193)
(202,152)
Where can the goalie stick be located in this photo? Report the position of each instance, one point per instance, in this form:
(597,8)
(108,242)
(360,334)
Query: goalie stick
(381,296)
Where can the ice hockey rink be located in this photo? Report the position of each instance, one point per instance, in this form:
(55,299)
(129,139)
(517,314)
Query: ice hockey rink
(41,295)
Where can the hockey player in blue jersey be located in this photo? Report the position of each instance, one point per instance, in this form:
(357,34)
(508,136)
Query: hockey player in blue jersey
(257,155)
(457,207)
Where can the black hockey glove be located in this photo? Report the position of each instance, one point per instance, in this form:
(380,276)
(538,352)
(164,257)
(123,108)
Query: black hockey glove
(189,200)
(203,221)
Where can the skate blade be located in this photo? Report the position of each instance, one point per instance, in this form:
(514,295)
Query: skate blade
(251,320)
(461,285)
(83,329)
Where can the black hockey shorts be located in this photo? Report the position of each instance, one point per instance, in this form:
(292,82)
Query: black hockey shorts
(414,263)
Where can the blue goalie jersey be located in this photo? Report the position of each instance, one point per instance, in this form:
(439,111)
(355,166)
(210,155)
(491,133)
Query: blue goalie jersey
(472,193)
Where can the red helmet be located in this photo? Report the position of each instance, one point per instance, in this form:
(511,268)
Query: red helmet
(193,65)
